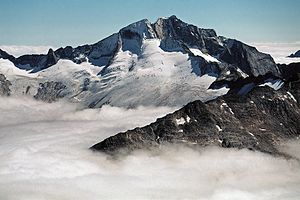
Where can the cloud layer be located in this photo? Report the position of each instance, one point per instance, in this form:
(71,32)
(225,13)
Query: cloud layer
(17,50)
(44,155)
(279,51)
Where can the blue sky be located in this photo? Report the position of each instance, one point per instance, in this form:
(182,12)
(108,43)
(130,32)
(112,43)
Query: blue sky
(75,22)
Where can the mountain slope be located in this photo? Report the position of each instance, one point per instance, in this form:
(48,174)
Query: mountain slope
(259,120)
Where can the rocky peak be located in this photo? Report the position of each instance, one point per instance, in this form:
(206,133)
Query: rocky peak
(141,29)
(52,58)
(5,55)
(173,28)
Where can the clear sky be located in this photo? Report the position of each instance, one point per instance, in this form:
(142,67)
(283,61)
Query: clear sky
(74,22)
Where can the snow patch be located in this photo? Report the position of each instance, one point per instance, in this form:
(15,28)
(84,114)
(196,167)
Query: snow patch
(188,119)
(207,57)
(180,121)
(219,128)
(251,134)
(292,96)
(226,106)
(243,74)
(275,84)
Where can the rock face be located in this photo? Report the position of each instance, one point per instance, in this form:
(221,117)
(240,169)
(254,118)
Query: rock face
(259,120)
(290,72)
(4,86)
(50,91)
(295,55)
(248,59)
(5,55)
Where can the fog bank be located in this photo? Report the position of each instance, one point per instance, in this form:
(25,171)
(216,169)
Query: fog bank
(44,155)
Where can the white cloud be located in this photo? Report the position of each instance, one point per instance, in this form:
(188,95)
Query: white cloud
(279,51)
(44,155)
(17,51)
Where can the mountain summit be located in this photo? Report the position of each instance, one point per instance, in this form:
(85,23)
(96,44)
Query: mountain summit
(168,62)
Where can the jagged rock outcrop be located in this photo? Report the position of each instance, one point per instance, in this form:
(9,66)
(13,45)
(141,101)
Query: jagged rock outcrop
(259,120)
(295,55)
(5,55)
(50,91)
(36,62)
(4,86)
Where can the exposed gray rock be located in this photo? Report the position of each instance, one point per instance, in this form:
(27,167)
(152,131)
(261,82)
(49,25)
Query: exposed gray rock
(50,91)
(248,59)
(173,30)
(4,86)
(258,121)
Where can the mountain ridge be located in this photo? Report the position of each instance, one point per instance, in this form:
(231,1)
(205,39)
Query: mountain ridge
(190,63)
(259,120)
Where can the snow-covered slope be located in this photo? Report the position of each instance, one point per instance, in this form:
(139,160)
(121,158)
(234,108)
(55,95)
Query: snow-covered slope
(168,62)
(153,77)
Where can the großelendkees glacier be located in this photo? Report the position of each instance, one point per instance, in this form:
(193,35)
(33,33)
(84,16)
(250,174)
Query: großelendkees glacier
(158,110)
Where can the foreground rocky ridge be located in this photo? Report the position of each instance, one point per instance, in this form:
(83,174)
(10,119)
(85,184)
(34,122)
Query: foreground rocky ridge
(259,120)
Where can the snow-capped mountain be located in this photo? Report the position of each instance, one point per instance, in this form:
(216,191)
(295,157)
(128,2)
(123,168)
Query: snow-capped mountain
(168,62)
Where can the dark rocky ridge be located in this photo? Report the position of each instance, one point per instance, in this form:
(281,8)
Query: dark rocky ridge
(259,120)
(295,55)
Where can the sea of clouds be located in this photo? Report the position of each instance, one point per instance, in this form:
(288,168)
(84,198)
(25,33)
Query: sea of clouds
(44,154)
(279,51)
(19,50)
